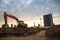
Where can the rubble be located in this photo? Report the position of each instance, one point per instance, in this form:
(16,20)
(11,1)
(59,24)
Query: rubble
(18,31)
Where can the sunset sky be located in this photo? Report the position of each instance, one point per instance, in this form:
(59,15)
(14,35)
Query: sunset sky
(30,11)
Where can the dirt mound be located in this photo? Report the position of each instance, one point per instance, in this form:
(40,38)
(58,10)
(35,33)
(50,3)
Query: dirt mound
(38,36)
(54,31)
(18,31)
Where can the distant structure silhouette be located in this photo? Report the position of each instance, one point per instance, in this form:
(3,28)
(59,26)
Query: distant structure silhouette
(12,25)
(34,24)
(38,25)
(48,20)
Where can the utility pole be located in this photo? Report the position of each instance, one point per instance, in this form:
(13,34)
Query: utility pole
(40,21)
(34,24)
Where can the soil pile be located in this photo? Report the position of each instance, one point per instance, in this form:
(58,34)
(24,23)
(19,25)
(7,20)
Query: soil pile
(54,31)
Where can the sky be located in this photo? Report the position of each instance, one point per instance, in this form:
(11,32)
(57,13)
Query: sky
(30,11)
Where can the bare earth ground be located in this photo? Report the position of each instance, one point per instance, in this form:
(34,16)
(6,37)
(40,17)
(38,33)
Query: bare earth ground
(39,36)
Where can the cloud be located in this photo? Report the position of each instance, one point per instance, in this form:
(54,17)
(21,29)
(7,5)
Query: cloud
(6,1)
(27,2)
(29,7)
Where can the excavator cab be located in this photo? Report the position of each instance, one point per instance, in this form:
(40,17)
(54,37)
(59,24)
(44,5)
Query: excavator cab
(21,24)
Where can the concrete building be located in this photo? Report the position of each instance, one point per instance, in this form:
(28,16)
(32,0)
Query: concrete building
(48,20)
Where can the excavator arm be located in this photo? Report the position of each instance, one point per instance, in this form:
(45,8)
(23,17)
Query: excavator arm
(11,16)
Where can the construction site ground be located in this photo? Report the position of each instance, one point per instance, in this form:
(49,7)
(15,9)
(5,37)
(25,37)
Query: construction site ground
(38,36)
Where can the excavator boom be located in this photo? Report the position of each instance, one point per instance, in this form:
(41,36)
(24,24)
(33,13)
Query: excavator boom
(11,16)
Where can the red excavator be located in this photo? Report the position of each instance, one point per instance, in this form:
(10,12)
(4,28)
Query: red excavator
(20,23)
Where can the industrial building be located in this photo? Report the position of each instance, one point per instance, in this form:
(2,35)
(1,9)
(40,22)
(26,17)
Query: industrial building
(48,20)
